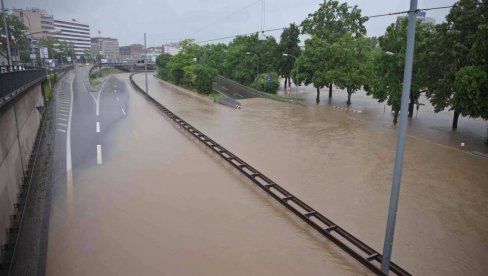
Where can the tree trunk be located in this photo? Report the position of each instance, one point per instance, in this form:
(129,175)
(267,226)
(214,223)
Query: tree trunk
(349,97)
(286,83)
(330,90)
(289,81)
(455,120)
(410,108)
(318,95)
(395,116)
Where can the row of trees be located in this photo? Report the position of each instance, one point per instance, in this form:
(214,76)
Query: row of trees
(450,62)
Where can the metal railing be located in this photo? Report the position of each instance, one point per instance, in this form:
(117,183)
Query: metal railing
(14,68)
(14,82)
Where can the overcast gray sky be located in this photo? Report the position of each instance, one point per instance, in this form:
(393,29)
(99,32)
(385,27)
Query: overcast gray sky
(172,20)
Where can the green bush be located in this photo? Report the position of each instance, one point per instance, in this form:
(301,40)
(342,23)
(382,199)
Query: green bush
(269,86)
(48,85)
(204,77)
(199,77)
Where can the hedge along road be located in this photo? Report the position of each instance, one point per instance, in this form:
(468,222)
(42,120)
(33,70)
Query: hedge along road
(342,165)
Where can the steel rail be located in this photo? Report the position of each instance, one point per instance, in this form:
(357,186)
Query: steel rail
(343,239)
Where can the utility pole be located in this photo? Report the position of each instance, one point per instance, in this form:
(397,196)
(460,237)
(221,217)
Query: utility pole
(145,61)
(400,150)
(7,36)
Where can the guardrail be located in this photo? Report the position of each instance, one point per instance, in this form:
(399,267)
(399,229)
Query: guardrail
(14,68)
(338,235)
(15,82)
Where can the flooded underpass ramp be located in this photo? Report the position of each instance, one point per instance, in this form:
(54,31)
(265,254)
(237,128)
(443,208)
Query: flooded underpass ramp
(366,255)
(234,89)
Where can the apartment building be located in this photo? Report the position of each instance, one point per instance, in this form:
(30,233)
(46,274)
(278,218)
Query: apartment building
(73,32)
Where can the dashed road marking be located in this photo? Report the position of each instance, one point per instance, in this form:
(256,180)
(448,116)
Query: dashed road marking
(98,126)
(61,124)
(63,119)
(123,111)
(99,154)
(61,130)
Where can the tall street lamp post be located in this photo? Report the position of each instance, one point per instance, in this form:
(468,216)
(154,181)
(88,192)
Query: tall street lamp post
(5,26)
(400,149)
(296,61)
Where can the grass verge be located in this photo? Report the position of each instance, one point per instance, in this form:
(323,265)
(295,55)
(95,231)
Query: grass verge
(96,76)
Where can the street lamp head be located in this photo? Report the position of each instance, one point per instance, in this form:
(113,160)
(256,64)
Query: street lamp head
(285,54)
(248,53)
(388,53)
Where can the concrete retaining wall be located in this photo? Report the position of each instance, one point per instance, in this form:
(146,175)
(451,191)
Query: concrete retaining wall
(19,123)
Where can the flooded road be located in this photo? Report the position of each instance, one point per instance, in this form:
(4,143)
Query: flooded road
(162,204)
(425,123)
(341,164)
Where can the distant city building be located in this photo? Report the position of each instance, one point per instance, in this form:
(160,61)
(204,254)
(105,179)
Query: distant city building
(73,32)
(172,48)
(154,52)
(421,16)
(38,22)
(106,47)
(132,52)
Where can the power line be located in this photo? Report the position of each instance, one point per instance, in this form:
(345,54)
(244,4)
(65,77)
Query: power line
(227,16)
(369,17)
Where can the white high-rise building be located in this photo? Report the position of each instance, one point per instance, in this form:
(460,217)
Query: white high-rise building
(73,32)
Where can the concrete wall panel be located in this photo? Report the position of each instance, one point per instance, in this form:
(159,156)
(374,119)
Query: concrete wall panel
(11,170)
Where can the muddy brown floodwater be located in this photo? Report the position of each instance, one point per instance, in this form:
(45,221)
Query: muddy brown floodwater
(162,204)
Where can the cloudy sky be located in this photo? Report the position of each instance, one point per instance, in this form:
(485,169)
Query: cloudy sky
(172,20)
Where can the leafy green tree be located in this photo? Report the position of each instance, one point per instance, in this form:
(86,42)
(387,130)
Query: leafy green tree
(162,61)
(331,21)
(67,49)
(204,78)
(269,56)
(314,64)
(213,55)
(87,55)
(458,57)
(50,43)
(350,57)
(18,41)
(289,41)
(386,78)
(242,59)
(188,55)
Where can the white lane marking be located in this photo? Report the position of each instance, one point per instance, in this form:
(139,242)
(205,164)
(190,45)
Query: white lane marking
(117,98)
(98,98)
(99,154)
(65,125)
(98,126)
(69,168)
(123,111)
(63,114)
(63,119)
(62,109)
(61,130)
(115,91)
